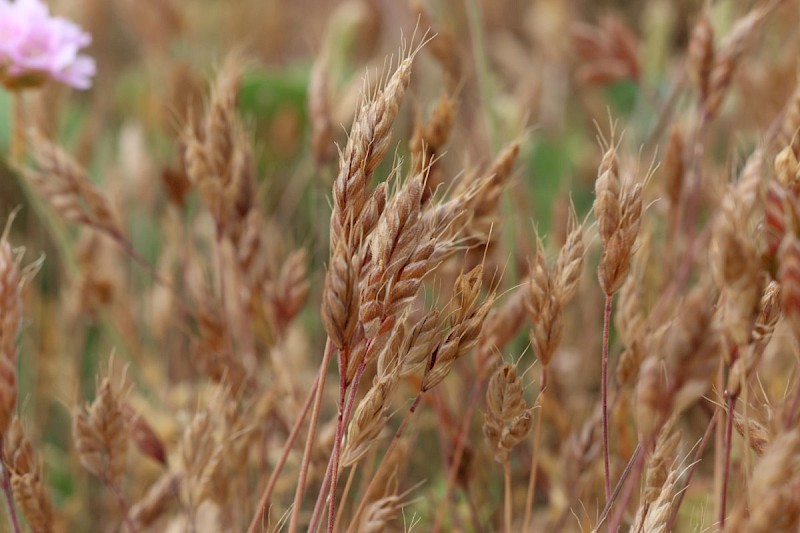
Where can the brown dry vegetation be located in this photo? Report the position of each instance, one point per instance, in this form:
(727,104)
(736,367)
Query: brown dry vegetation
(428,266)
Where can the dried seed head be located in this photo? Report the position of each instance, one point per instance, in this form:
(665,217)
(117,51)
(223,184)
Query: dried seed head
(507,420)
(754,433)
(33,500)
(397,233)
(570,262)
(420,343)
(366,147)
(67,187)
(369,419)
(607,195)
(10,317)
(466,323)
(787,168)
(143,435)
(340,296)
(774,486)
(100,436)
(658,467)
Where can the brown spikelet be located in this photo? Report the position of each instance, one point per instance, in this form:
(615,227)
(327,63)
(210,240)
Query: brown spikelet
(100,436)
(10,317)
(507,420)
(369,418)
(689,346)
(33,500)
(393,245)
(569,264)
(27,482)
(701,55)
(607,195)
(381,511)
(17,450)
(212,349)
(774,486)
(220,121)
(202,457)
(658,467)
(466,323)
(653,516)
(67,187)
(497,176)
(429,139)
(291,288)
(755,433)
(143,435)
(608,52)
(366,146)
(650,393)
(420,343)
(340,296)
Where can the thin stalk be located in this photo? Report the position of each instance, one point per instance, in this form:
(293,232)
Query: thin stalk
(123,505)
(347,486)
(618,486)
(329,474)
(273,479)
(13,520)
(507,491)
(337,445)
(604,393)
(636,472)
(312,430)
(537,438)
(726,469)
(695,461)
(461,444)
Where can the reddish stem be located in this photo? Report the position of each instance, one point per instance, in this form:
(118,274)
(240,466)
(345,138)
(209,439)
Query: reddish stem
(337,445)
(604,393)
(726,470)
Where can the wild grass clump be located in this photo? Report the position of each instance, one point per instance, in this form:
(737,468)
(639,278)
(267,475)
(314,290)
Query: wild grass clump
(544,277)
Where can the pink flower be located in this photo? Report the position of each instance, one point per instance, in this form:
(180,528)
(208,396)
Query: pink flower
(35,45)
